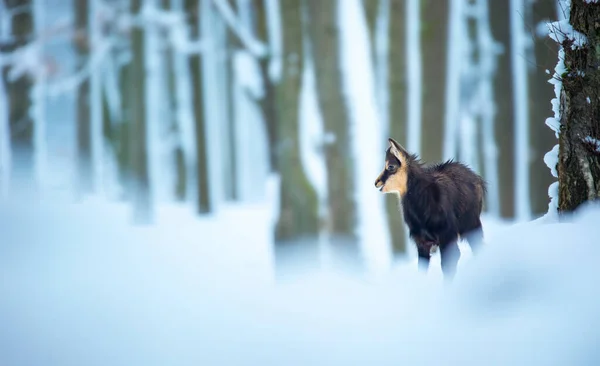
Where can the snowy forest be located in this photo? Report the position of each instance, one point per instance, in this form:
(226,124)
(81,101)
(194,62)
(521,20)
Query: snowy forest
(197,159)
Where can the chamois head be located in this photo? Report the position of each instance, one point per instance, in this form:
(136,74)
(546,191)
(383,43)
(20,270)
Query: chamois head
(394,177)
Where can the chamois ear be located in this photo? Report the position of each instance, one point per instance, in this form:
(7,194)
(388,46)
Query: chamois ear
(397,149)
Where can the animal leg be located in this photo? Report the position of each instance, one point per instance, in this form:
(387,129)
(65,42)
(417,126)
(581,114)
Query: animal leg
(449,256)
(475,237)
(424,252)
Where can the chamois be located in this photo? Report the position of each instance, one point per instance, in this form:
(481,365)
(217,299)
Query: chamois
(441,203)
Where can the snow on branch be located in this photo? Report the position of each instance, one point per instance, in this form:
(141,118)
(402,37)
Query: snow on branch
(561,31)
(72,82)
(255,46)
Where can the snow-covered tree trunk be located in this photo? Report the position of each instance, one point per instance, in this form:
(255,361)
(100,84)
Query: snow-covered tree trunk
(38,98)
(396,111)
(488,50)
(268,22)
(324,34)
(542,138)
(185,152)
(298,211)
(96,110)
(19,89)
(579,138)
(435,47)
(5,149)
(140,180)
(203,199)
(519,45)
(178,153)
(503,89)
(84,148)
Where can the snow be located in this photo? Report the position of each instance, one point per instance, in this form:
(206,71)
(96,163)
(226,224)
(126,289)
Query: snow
(87,288)
(551,157)
(562,30)
(551,160)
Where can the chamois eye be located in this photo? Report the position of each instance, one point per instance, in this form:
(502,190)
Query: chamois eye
(391,168)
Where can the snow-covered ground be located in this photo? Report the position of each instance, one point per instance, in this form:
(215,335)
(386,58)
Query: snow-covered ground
(80,286)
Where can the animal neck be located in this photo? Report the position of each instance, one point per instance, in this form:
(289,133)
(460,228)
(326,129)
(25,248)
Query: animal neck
(417,180)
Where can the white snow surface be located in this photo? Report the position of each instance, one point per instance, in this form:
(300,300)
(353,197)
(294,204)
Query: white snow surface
(85,288)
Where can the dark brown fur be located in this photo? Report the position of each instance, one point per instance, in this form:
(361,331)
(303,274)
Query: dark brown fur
(440,203)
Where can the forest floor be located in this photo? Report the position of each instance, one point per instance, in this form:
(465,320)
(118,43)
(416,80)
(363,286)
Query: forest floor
(82,286)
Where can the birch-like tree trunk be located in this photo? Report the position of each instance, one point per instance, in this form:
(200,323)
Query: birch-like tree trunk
(324,33)
(180,184)
(140,180)
(504,127)
(579,138)
(542,138)
(84,132)
(298,212)
(268,103)
(19,102)
(397,111)
(204,203)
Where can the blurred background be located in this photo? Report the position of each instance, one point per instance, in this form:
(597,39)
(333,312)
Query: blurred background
(272,116)
(170,169)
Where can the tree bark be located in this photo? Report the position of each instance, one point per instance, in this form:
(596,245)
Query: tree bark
(579,138)
(542,138)
(434,39)
(298,215)
(504,127)
(19,101)
(139,144)
(397,112)
(324,33)
(204,204)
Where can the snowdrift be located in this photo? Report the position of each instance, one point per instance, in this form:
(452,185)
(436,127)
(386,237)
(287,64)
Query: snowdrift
(78,286)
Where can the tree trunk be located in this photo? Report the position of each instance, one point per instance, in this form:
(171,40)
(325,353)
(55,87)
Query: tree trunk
(268,103)
(19,102)
(579,138)
(434,40)
(84,131)
(139,149)
(397,112)
(298,215)
(204,204)
(180,186)
(371,14)
(542,138)
(504,127)
(324,32)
